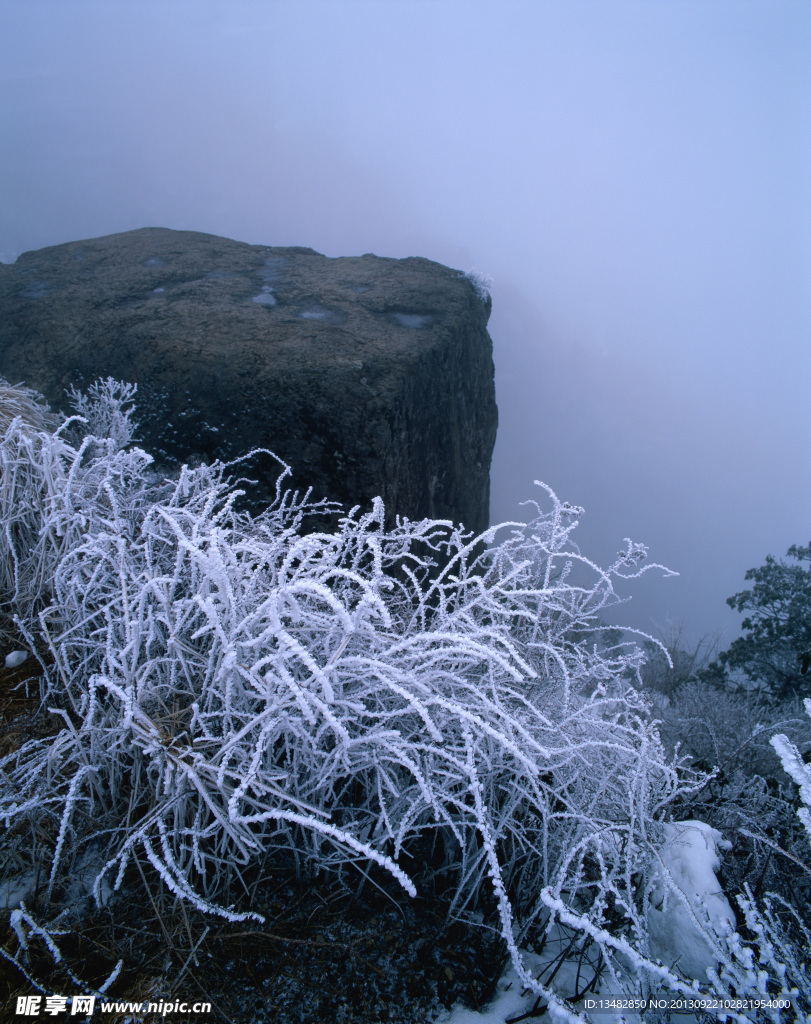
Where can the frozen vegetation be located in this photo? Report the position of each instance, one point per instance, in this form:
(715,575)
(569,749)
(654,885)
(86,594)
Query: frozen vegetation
(309,687)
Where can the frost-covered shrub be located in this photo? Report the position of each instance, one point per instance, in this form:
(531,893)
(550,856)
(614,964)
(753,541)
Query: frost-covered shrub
(16,400)
(745,796)
(763,960)
(235,689)
(749,800)
(799,771)
(728,730)
(771,957)
(59,484)
(102,410)
(674,660)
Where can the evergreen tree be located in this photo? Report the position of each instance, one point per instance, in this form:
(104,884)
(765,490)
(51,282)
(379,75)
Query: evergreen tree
(775,649)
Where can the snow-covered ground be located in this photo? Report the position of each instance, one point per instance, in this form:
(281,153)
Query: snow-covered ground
(687,903)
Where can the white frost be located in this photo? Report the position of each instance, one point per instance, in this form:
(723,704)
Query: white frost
(482,282)
(799,771)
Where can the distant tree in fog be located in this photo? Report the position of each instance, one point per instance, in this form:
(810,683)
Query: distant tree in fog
(775,650)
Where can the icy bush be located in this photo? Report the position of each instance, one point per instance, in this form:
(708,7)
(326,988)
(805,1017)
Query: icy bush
(762,968)
(103,413)
(731,733)
(58,485)
(799,771)
(234,689)
(16,400)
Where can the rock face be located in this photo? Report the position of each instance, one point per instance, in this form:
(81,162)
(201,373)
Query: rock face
(369,376)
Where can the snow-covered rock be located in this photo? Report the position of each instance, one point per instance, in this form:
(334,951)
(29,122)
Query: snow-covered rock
(688,905)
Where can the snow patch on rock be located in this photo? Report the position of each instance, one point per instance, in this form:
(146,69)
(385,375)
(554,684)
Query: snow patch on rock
(688,904)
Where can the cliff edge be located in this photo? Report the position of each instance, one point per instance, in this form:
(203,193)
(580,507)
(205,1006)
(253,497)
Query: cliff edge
(369,376)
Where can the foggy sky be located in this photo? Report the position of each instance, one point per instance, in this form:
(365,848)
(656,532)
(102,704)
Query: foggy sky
(635,175)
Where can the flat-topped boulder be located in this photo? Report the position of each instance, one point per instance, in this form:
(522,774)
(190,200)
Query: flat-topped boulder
(369,376)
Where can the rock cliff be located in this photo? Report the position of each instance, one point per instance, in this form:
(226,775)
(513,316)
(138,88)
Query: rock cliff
(369,376)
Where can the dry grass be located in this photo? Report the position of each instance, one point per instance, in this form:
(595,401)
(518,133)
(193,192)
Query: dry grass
(18,400)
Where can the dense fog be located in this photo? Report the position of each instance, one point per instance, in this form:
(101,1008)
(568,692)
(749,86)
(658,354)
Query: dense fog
(634,176)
